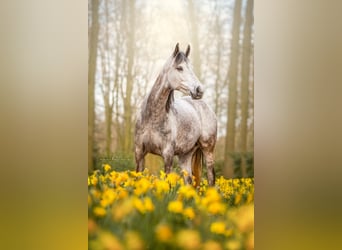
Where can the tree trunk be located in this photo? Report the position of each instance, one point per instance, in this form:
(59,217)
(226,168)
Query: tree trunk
(129,84)
(116,103)
(250,142)
(108,88)
(108,112)
(195,54)
(232,87)
(94,31)
(120,33)
(218,84)
(246,55)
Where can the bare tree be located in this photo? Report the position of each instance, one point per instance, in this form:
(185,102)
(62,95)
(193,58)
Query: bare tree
(250,142)
(116,90)
(218,30)
(106,80)
(129,12)
(194,31)
(245,76)
(231,80)
(93,42)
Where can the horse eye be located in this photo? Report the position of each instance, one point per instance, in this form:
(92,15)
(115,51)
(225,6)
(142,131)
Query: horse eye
(180,68)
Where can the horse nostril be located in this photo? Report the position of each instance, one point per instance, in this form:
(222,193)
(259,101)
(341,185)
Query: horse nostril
(199,91)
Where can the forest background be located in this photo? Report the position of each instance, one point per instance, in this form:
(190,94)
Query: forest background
(129,41)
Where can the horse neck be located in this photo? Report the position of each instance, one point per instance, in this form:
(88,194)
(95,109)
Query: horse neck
(159,100)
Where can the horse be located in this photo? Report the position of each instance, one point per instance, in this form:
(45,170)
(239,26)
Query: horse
(185,127)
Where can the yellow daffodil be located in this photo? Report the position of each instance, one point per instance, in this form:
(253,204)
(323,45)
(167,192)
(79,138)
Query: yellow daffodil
(162,175)
(187,192)
(99,211)
(107,240)
(163,233)
(134,241)
(141,186)
(189,213)
(237,199)
(172,178)
(212,195)
(161,187)
(175,207)
(107,167)
(212,245)
(188,239)
(216,208)
(233,245)
(219,227)
(122,209)
(108,197)
(139,205)
(122,193)
(149,207)
(93,180)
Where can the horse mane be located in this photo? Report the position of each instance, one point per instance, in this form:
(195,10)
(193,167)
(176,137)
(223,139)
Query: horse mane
(179,58)
(170,100)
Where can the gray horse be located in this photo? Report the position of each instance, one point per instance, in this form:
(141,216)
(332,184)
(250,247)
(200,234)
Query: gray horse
(185,127)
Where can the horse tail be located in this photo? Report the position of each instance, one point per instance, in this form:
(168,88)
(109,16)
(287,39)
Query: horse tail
(196,166)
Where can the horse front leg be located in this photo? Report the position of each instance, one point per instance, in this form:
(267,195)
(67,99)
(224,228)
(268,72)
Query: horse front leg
(168,160)
(168,164)
(139,159)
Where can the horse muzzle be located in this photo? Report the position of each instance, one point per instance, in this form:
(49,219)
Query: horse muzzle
(198,93)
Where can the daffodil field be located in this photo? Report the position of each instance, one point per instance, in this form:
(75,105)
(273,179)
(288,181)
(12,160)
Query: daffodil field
(129,210)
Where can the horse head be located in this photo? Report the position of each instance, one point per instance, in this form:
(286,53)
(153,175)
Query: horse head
(180,74)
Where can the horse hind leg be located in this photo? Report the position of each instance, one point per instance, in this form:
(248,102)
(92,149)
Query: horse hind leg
(207,145)
(196,165)
(209,160)
(185,162)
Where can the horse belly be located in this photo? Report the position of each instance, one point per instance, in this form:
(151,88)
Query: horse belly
(186,140)
(153,143)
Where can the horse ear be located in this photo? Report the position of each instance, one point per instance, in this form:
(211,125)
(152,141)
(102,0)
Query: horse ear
(187,52)
(175,52)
